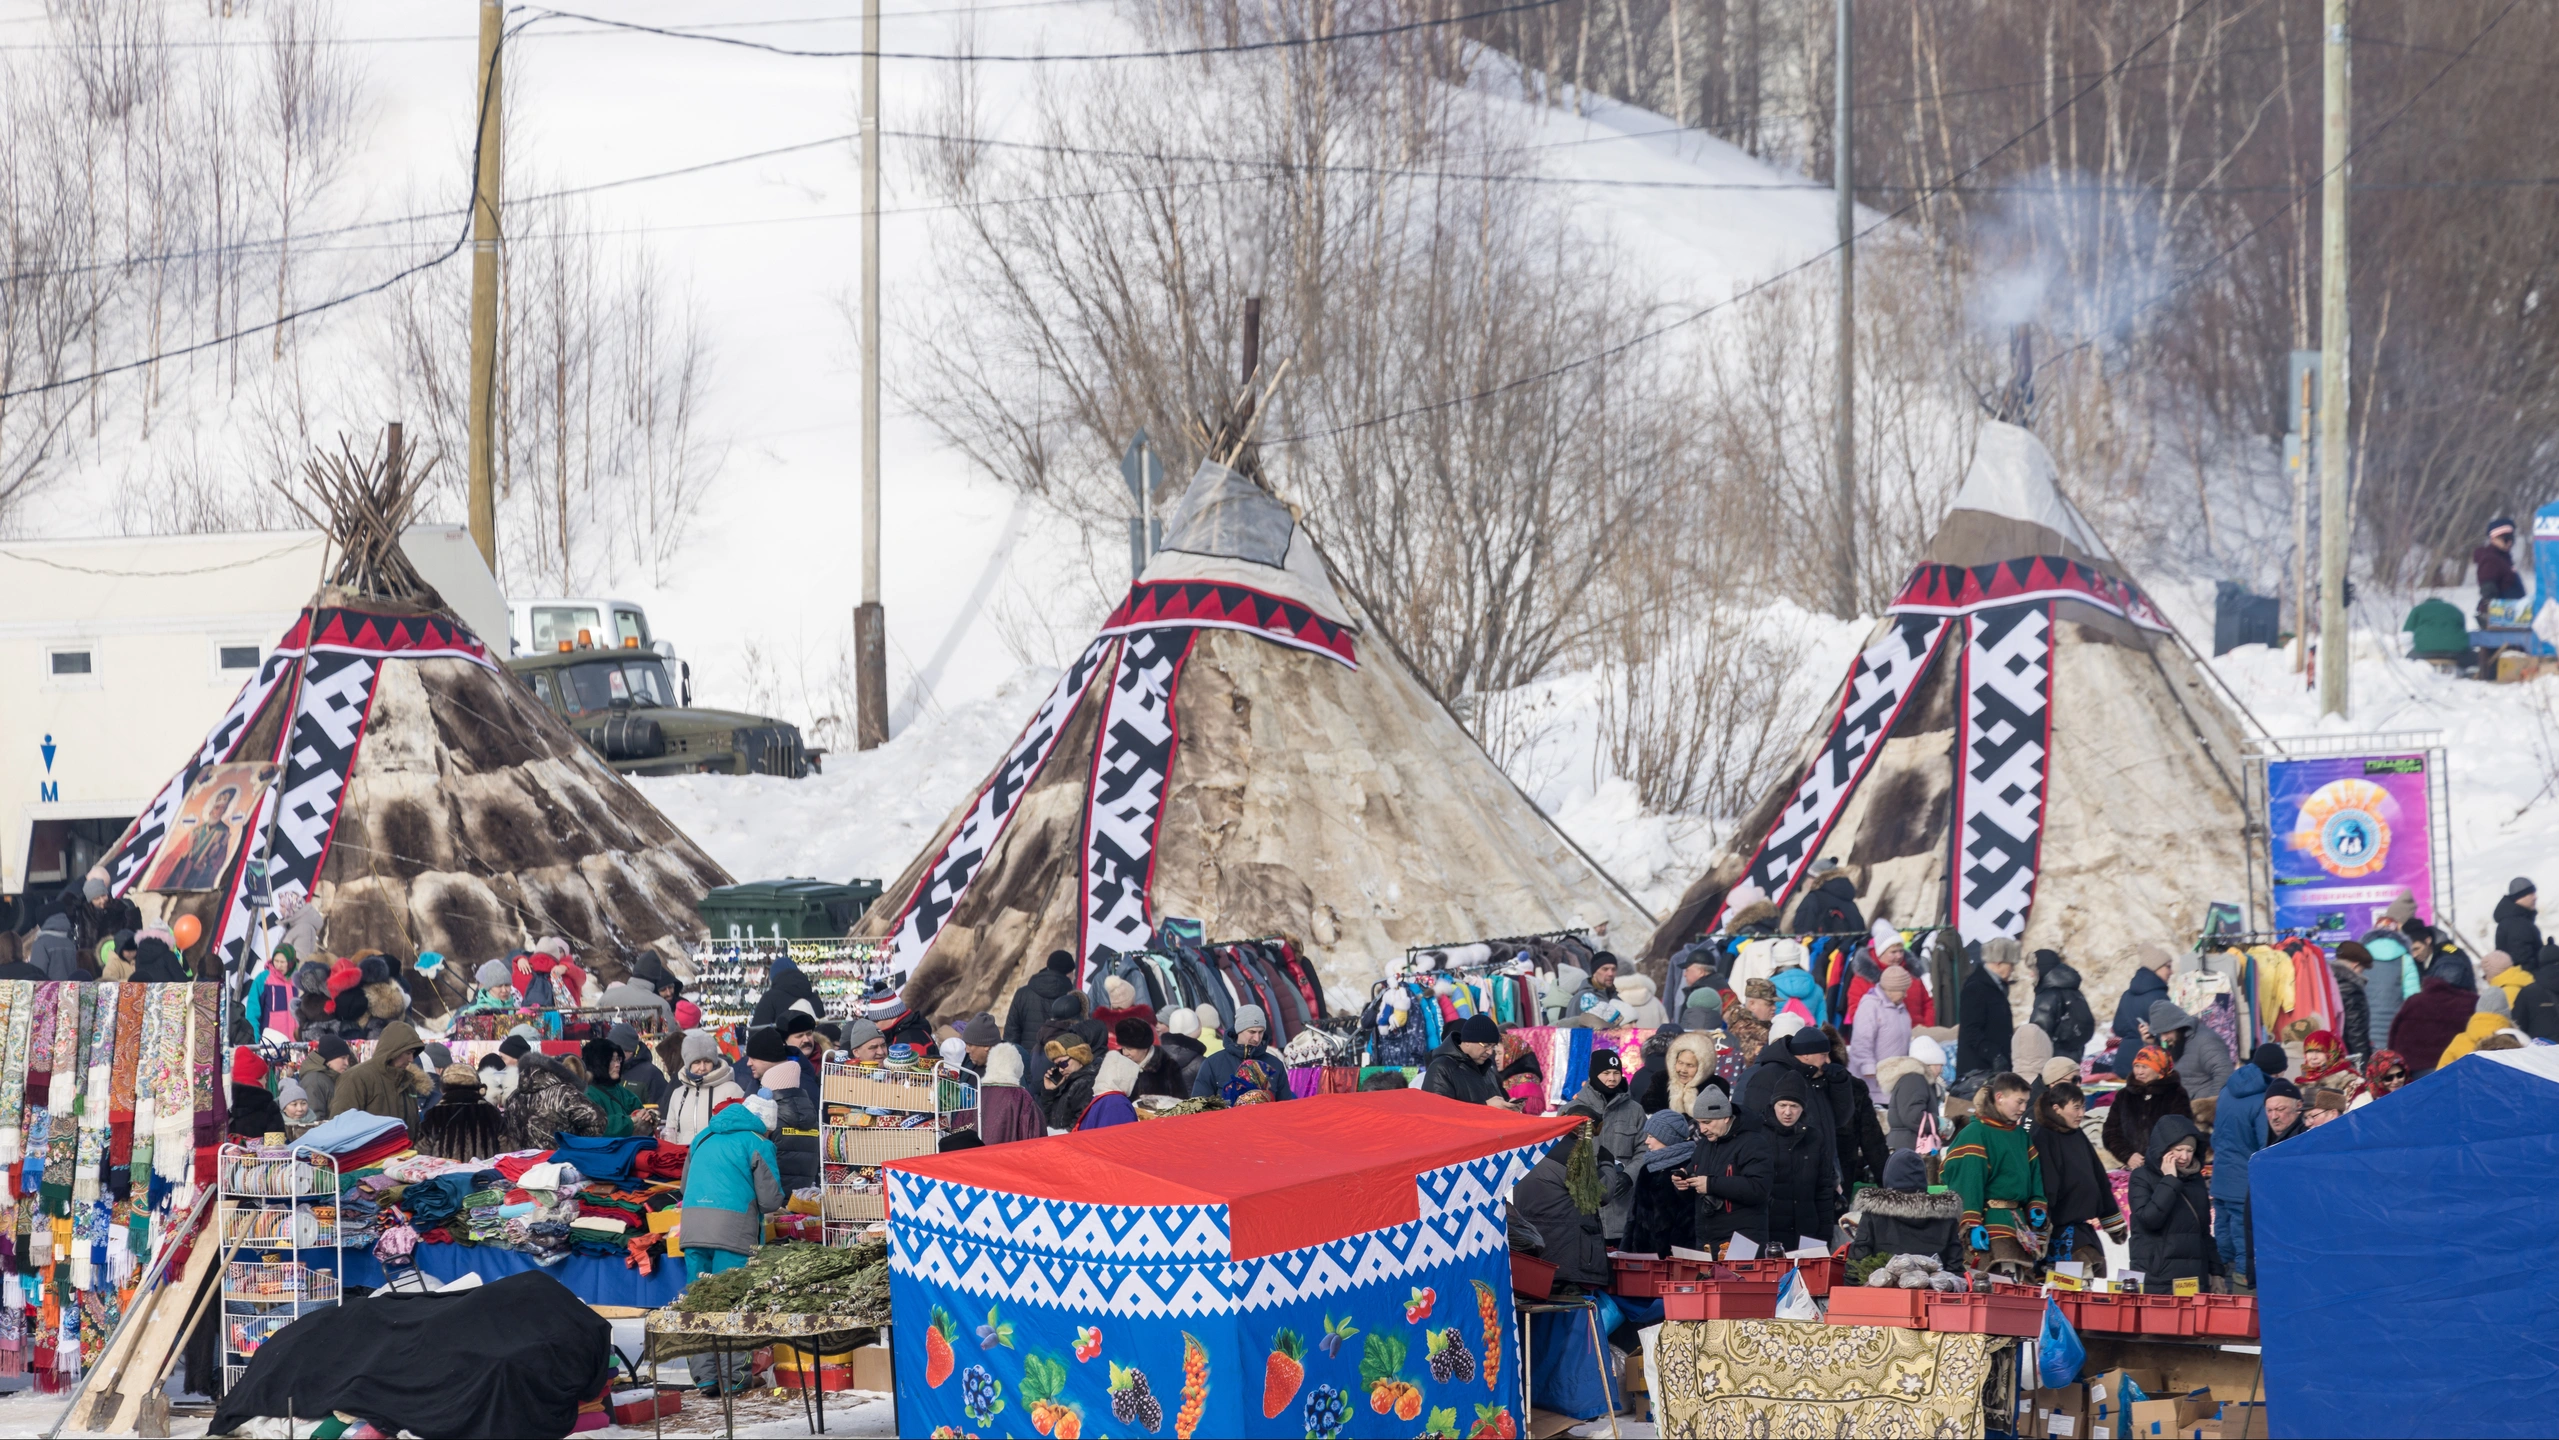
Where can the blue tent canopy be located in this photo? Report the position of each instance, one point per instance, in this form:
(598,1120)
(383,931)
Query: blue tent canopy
(2404,1254)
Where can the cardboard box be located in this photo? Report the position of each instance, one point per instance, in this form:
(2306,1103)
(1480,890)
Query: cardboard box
(870,1369)
(2243,1420)
(2176,1415)
(2060,1414)
(2105,1391)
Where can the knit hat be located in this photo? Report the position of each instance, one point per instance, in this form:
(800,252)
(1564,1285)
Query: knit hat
(766,1043)
(1906,1171)
(290,1091)
(1807,1041)
(1786,1085)
(794,1022)
(94,888)
(1063,962)
(2060,1068)
(491,972)
(2151,957)
(1711,1104)
(882,1005)
(2156,1058)
(1894,982)
(1670,1127)
(2520,885)
(1477,1030)
(2283,1087)
(955,1051)
(859,1032)
(1250,1017)
(1784,1026)
(1131,1032)
(453,1075)
(687,1014)
(785,1076)
(1885,936)
(2269,1057)
(698,1045)
(330,1047)
(513,1047)
(2028,1048)
(1759,987)
(437,1056)
(1926,1050)
(1119,992)
(623,1035)
(981,1031)
(1599,1059)
(247,1068)
(2402,909)
(1182,1022)
(1067,1047)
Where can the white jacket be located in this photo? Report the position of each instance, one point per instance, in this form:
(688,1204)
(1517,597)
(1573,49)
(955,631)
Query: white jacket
(690,1103)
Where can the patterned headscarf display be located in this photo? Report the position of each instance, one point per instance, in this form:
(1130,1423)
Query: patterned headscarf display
(1254,1081)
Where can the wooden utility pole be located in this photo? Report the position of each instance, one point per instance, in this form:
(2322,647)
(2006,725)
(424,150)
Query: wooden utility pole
(2338,110)
(870,622)
(484,292)
(1844,410)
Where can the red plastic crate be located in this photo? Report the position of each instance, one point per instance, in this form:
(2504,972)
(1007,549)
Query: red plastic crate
(1819,1275)
(2228,1316)
(648,1407)
(2107,1314)
(1720,1300)
(2165,1314)
(1531,1276)
(1877,1305)
(1986,1314)
(1638,1279)
(829,1377)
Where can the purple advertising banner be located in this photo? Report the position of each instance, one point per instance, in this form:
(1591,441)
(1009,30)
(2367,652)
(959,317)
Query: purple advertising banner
(2349,834)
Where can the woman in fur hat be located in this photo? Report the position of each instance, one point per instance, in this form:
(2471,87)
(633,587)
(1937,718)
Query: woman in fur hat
(1672,1084)
(2153,1093)
(462,1125)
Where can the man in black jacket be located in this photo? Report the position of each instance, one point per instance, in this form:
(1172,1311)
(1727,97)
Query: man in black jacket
(2519,924)
(1031,1003)
(1728,1172)
(1981,1045)
(1462,1067)
(2537,1009)
(2059,1007)
(1830,907)
(1855,1130)
(1798,1058)
(2149,986)
(1803,1171)
(1571,1240)
(2351,963)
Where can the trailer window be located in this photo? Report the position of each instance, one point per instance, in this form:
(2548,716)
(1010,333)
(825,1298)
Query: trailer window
(555,625)
(628,627)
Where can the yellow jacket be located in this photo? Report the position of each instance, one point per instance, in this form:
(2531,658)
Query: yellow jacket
(2512,979)
(2480,1028)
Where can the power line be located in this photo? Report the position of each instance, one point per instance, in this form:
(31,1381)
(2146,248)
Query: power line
(351,41)
(2300,193)
(459,240)
(1758,286)
(1187,52)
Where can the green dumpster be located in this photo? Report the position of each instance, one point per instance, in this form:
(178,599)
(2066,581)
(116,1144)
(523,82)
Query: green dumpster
(793,909)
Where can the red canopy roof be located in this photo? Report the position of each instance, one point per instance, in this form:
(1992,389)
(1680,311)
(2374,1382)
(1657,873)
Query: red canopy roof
(1293,1174)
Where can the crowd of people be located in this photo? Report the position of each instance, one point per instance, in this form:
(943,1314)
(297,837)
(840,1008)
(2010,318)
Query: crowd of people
(1988,1145)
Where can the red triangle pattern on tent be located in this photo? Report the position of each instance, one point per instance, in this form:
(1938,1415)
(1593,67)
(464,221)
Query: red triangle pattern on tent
(410,636)
(1232,607)
(1935,589)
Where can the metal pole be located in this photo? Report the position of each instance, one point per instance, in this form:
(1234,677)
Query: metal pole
(484,290)
(2301,528)
(1844,410)
(870,622)
(2334,650)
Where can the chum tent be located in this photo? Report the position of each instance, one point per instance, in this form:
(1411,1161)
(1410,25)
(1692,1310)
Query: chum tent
(1054,1269)
(2403,1268)
(382,765)
(1232,748)
(2022,749)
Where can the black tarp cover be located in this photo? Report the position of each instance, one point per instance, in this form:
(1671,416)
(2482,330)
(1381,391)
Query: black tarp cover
(516,1357)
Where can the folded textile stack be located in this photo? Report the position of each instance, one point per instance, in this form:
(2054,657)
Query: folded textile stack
(358,1140)
(666,1162)
(601,1159)
(484,1224)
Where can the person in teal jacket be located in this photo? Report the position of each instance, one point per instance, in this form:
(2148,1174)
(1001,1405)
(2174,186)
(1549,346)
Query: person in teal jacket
(731,1182)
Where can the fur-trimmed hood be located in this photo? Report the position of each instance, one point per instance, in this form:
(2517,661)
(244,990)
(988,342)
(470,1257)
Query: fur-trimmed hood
(1910,1204)
(1697,1046)
(1758,912)
(384,1001)
(1889,1073)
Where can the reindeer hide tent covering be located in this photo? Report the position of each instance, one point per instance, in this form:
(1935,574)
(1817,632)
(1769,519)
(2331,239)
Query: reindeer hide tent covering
(2021,750)
(427,801)
(1228,748)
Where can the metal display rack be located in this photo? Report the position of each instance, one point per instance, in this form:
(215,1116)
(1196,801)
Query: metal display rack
(912,1110)
(729,975)
(271,1278)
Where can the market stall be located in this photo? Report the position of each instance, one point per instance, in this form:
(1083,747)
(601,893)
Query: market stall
(1335,1265)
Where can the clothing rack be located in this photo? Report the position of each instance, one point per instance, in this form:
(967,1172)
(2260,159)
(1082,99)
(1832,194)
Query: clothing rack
(1584,933)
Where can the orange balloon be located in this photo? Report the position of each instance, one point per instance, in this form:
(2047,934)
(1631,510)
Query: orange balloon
(189,930)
